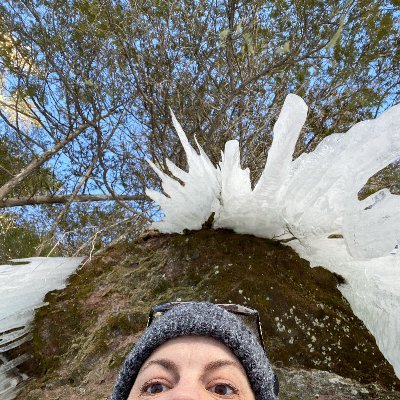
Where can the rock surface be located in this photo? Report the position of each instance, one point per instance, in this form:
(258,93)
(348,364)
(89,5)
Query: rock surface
(319,348)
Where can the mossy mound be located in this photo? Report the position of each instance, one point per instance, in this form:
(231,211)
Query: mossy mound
(82,336)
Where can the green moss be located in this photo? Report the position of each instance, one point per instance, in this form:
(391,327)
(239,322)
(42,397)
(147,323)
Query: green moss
(125,324)
(116,360)
(52,333)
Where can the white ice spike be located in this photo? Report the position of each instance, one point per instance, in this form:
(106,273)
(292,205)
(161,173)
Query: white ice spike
(191,204)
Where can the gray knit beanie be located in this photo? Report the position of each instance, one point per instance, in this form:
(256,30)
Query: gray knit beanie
(202,319)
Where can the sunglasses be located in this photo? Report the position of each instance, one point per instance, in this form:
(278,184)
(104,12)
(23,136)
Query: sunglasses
(248,315)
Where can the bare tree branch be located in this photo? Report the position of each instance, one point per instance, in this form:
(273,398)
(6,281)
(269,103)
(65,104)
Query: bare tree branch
(48,199)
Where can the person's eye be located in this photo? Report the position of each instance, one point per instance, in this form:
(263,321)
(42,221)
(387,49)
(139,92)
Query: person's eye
(223,389)
(154,388)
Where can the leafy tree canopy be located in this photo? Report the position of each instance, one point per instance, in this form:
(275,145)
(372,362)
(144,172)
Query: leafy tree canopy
(86,86)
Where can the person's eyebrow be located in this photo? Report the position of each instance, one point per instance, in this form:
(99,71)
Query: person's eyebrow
(168,365)
(214,365)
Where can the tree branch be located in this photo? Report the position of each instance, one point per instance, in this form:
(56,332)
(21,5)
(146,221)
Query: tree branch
(49,199)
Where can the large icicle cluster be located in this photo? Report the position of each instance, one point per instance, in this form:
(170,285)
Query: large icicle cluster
(312,200)
(314,196)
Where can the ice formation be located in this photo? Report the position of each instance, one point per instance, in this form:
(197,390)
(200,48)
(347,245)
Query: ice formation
(22,290)
(310,202)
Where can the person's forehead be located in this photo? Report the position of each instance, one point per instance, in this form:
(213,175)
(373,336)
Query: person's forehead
(195,342)
(200,348)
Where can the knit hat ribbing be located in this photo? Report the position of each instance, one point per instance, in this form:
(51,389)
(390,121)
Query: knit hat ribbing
(201,319)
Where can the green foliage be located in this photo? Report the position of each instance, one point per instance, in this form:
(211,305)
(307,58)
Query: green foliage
(18,239)
(388,177)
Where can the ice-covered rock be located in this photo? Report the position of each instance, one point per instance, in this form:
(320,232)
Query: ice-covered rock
(310,201)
